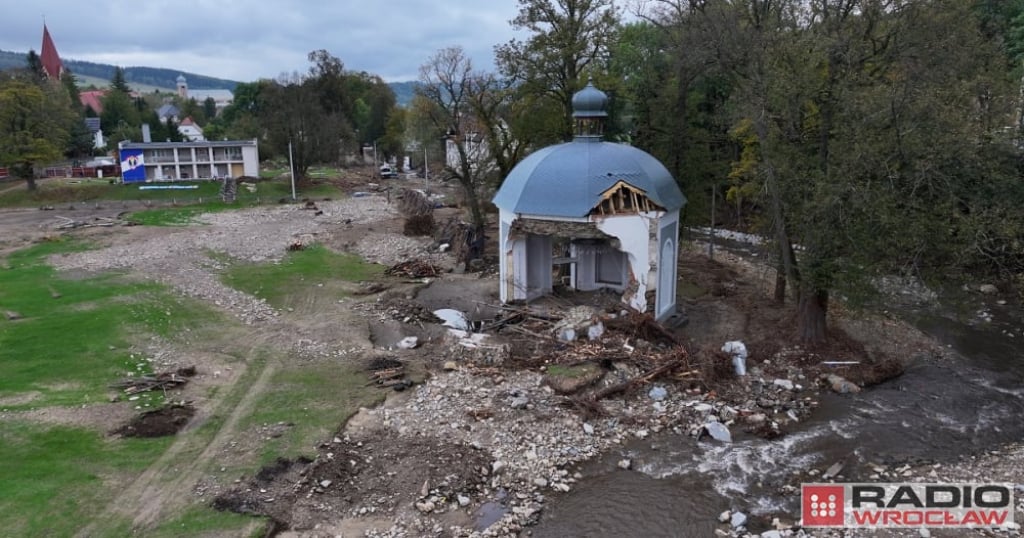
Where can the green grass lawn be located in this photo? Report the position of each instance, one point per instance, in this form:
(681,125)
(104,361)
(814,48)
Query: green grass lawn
(72,340)
(88,191)
(75,338)
(300,269)
(315,399)
(54,477)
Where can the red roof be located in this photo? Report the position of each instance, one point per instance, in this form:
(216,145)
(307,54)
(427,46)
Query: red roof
(51,60)
(187,121)
(92,99)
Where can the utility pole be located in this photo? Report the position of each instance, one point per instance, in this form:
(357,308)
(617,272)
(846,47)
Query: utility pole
(376,169)
(291,167)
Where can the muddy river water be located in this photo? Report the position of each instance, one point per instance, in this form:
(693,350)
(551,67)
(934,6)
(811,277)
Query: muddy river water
(937,411)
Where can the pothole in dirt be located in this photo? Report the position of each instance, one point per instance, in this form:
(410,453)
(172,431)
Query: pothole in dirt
(391,334)
(161,422)
(383,363)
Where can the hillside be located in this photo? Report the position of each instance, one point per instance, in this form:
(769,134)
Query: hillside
(147,79)
(403,91)
(155,77)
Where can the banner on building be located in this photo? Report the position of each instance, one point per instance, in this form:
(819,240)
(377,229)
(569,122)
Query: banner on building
(133,167)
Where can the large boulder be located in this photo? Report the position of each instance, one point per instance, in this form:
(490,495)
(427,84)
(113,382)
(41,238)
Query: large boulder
(572,379)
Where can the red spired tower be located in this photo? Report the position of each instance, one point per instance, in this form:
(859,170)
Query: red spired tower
(52,65)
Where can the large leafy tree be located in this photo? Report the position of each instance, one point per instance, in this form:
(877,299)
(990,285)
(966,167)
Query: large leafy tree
(872,135)
(239,120)
(34,119)
(307,114)
(870,126)
(568,40)
(324,113)
(120,118)
(372,103)
(209,108)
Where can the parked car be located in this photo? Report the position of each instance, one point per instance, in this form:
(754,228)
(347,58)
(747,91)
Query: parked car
(386,172)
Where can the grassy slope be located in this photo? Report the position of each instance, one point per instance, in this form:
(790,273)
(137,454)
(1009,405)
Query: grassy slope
(90,191)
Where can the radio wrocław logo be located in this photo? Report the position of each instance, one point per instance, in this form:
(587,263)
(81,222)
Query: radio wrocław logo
(907,505)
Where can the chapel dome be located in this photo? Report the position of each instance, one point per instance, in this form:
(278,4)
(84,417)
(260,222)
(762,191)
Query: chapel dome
(568,180)
(590,102)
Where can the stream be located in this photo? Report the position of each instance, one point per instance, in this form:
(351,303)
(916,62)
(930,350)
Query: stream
(936,411)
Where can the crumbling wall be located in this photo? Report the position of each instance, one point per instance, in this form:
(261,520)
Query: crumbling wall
(633,233)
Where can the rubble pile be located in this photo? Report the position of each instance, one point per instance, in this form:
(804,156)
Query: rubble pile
(414,269)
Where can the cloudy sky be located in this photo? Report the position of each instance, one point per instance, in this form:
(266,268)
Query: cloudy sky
(248,40)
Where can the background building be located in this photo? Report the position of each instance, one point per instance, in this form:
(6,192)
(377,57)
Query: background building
(171,161)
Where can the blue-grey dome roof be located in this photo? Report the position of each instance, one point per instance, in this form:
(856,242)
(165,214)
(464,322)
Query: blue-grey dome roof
(590,102)
(181,79)
(567,180)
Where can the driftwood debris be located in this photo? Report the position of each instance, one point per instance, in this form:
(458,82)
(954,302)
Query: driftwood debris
(643,326)
(679,361)
(68,223)
(379,377)
(389,373)
(162,381)
(415,204)
(413,269)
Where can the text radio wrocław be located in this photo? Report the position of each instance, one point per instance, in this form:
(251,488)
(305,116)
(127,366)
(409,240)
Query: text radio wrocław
(907,505)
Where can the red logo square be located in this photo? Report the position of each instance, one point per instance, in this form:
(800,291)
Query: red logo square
(822,505)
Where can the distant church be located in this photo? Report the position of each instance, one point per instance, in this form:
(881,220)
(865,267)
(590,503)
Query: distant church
(221,98)
(52,66)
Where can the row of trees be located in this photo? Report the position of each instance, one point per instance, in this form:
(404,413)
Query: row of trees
(124,112)
(865,137)
(322,115)
(870,136)
(40,120)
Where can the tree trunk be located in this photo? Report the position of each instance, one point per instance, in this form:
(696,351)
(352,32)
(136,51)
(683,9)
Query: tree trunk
(31,182)
(811,311)
(780,284)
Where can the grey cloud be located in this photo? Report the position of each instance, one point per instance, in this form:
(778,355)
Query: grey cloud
(248,40)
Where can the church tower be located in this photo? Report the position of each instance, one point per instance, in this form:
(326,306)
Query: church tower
(52,65)
(182,87)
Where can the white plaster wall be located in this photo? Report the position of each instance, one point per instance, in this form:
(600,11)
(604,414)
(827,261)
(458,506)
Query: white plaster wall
(633,232)
(665,299)
(538,266)
(505,219)
(251,160)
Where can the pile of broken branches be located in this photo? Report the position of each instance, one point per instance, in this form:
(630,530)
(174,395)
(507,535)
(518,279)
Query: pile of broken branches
(414,204)
(636,339)
(413,269)
(676,361)
(388,373)
(67,224)
(162,381)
